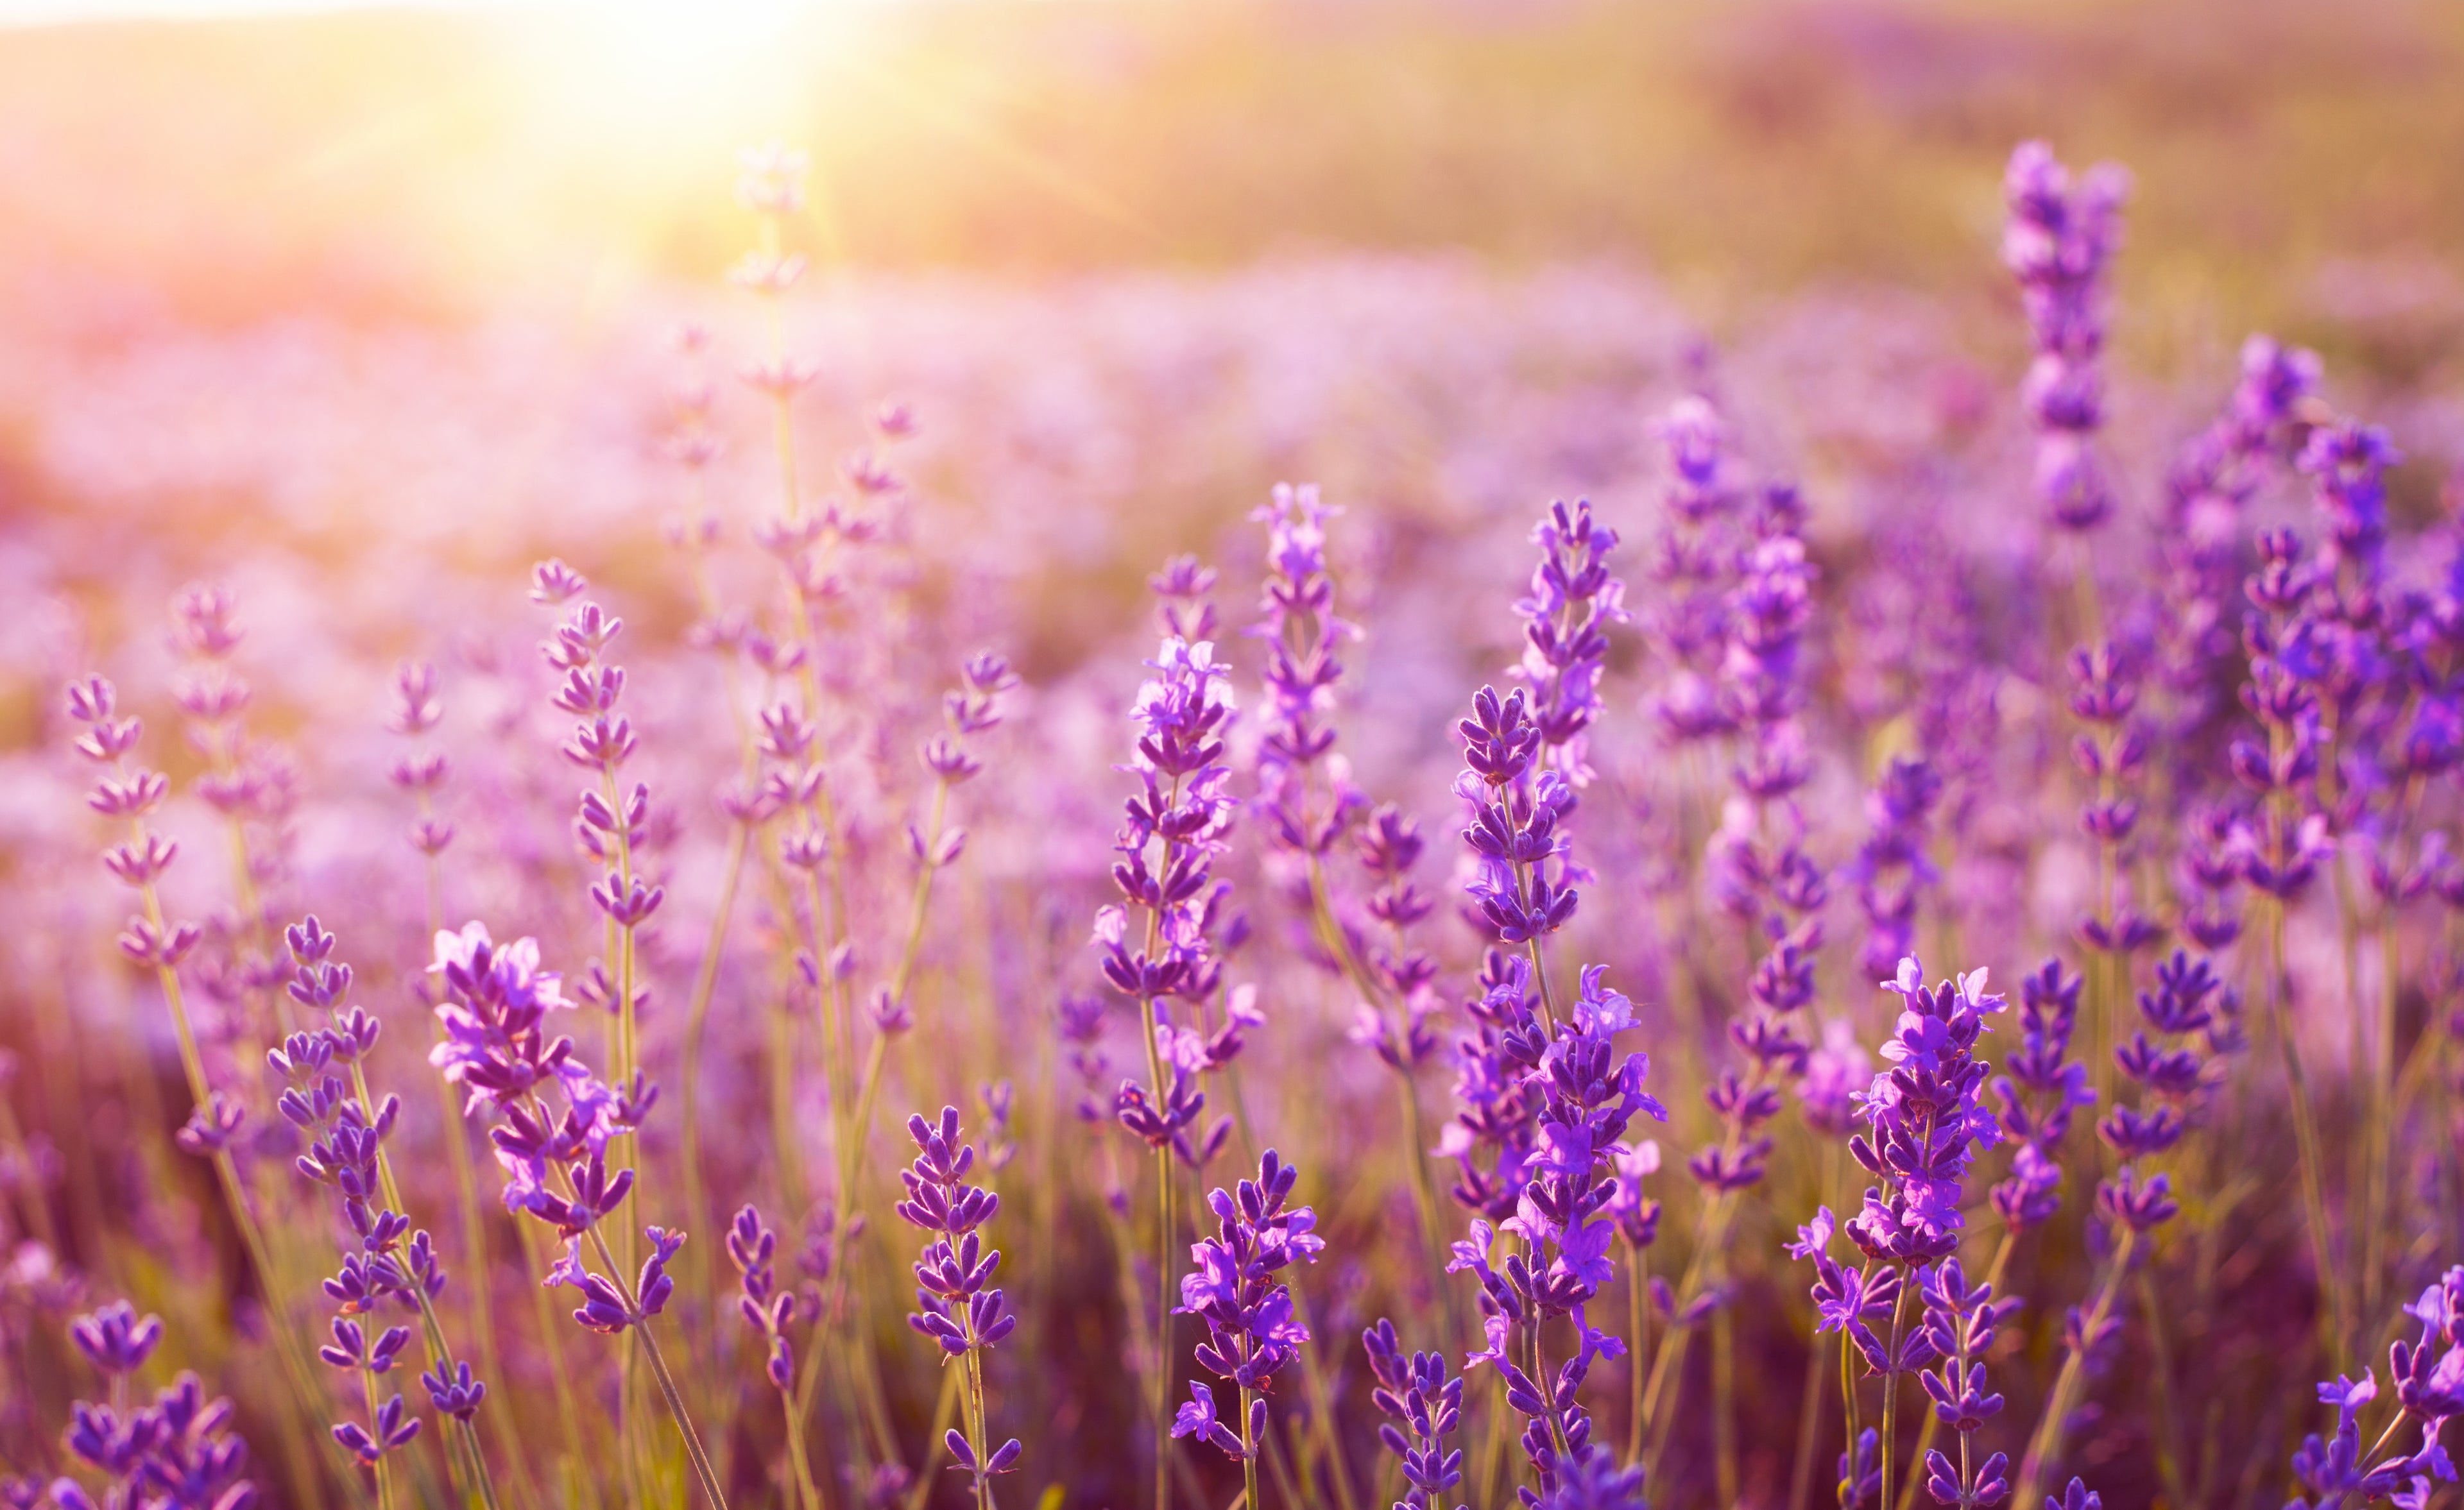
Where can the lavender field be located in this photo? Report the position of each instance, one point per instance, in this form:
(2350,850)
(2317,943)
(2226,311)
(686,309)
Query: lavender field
(1272,756)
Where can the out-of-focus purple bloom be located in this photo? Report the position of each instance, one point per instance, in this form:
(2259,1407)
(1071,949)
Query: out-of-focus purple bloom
(179,1452)
(2058,243)
(766,1308)
(1301,638)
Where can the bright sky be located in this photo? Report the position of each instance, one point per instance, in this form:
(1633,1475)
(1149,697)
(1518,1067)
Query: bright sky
(20,11)
(40,12)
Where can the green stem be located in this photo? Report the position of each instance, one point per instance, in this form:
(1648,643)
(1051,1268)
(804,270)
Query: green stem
(2046,1442)
(2305,1135)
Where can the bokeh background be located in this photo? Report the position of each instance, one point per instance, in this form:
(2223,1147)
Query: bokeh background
(362,312)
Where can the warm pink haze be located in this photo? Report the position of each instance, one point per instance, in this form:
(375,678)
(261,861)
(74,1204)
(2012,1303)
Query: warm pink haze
(1291,754)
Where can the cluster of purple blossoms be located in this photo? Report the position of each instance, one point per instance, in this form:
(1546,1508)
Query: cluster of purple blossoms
(1302,636)
(1253,1330)
(2428,1380)
(1960,1326)
(2206,497)
(958,1308)
(125,795)
(1389,846)
(1423,1408)
(1566,617)
(1692,562)
(1926,1118)
(2058,243)
(383,1259)
(178,1453)
(971,708)
(493,1003)
(610,828)
(1538,1082)
(423,771)
(1173,829)
(1520,881)
(2173,1080)
(251,785)
(2111,753)
(1925,1121)
(2040,1089)
(1496,1105)
(1759,868)
(1891,869)
(2279,848)
(766,1309)
(1573,1102)
(1586,1100)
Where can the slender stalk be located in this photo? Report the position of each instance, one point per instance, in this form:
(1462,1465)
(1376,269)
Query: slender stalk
(552,1342)
(2046,1440)
(1723,1403)
(1808,1422)
(286,1341)
(1248,1454)
(2305,1135)
(659,1367)
(1637,1319)
(2168,1429)
(697,1018)
(383,1469)
(1891,1385)
(1932,1422)
(945,1408)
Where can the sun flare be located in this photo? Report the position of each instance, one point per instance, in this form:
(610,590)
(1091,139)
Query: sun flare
(671,72)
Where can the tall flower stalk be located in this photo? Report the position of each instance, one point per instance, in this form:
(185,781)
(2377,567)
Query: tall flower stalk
(962,1311)
(495,1004)
(1171,829)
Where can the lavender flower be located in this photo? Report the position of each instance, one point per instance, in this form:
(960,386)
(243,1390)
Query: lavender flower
(1891,869)
(1924,1122)
(1180,816)
(493,1005)
(2041,1087)
(1960,1326)
(2340,1472)
(1573,602)
(1584,1104)
(179,1452)
(382,1260)
(1423,1408)
(766,1308)
(1691,565)
(959,1309)
(1302,636)
(1252,1327)
(2056,243)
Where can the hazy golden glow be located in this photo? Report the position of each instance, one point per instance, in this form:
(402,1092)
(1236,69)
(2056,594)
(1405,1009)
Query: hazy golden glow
(659,77)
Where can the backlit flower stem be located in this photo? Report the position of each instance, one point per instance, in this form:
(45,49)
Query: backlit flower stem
(1932,1428)
(2305,1134)
(1891,1382)
(304,1392)
(2045,1445)
(649,1349)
